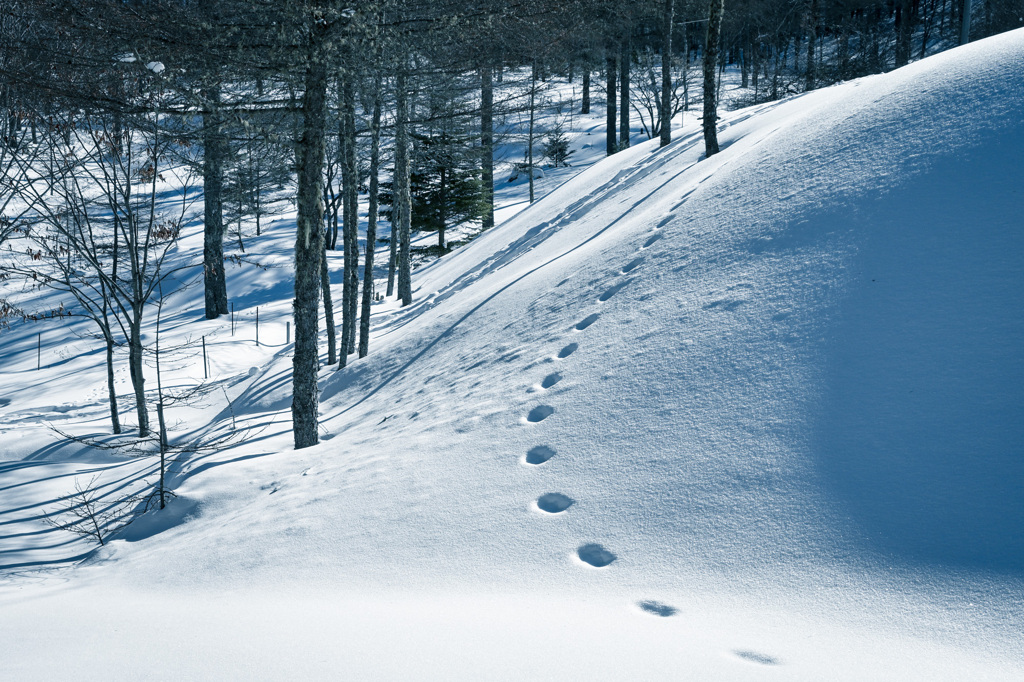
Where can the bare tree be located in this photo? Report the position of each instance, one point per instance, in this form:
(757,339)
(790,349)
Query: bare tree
(371,220)
(99,233)
(712,44)
(90,514)
(666,73)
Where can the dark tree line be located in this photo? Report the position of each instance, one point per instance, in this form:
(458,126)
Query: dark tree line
(395,99)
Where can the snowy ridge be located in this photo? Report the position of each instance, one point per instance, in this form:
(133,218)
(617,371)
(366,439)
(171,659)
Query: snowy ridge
(750,417)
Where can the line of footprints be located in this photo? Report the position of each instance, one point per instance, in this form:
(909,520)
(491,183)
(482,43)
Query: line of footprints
(595,554)
(592,554)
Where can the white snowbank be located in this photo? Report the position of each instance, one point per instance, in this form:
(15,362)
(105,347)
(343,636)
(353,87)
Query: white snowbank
(779,388)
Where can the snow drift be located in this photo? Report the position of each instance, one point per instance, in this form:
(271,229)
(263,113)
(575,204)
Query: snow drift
(774,395)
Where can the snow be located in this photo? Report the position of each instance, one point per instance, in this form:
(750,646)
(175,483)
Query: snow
(750,417)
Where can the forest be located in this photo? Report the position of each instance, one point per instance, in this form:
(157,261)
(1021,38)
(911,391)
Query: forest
(105,103)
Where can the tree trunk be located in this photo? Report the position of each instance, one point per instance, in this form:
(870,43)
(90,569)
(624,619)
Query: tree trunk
(585,109)
(711,43)
(533,118)
(965,23)
(108,338)
(115,418)
(442,212)
(610,143)
(402,196)
(136,372)
(927,17)
(310,151)
(904,31)
(812,36)
(215,150)
(487,145)
(396,219)
(666,73)
(625,57)
(371,226)
(686,75)
(744,68)
(325,288)
(393,239)
(350,205)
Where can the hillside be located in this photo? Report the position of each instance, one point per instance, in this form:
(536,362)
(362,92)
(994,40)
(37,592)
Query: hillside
(750,417)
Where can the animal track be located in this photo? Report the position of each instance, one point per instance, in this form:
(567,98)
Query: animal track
(539,454)
(567,351)
(612,291)
(540,413)
(657,608)
(725,304)
(755,657)
(554,503)
(654,237)
(587,321)
(632,265)
(550,380)
(595,555)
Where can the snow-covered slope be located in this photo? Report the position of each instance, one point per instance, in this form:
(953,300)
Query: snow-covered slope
(780,389)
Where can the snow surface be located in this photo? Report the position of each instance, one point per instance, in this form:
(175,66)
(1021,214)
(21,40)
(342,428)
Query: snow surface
(779,389)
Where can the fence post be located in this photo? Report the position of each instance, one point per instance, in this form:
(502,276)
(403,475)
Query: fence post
(205,371)
(287,333)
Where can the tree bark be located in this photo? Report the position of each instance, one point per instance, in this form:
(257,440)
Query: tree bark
(371,227)
(108,337)
(396,219)
(904,30)
(311,151)
(115,418)
(812,36)
(666,73)
(711,47)
(350,216)
(402,196)
(214,152)
(487,145)
(393,239)
(325,288)
(585,108)
(136,372)
(611,145)
(625,57)
(533,118)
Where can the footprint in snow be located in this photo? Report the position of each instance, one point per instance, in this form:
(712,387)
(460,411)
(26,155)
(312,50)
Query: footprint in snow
(595,555)
(725,304)
(550,380)
(540,413)
(586,322)
(654,237)
(567,351)
(657,608)
(554,503)
(539,454)
(613,290)
(632,265)
(755,657)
